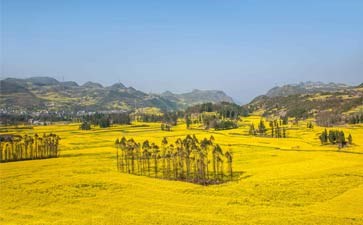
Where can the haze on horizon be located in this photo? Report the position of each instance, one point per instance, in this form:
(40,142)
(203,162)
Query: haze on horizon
(243,48)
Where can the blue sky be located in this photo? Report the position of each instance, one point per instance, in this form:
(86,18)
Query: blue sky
(241,47)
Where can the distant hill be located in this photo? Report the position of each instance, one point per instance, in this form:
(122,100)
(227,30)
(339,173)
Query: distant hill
(306,88)
(197,97)
(309,99)
(90,84)
(14,92)
(50,94)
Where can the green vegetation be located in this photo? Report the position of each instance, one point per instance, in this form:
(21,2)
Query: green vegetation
(356,118)
(85,125)
(165,127)
(335,137)
(188,159)
(276,127)
(330,104)
(219,116)
(17,147)
(105,120)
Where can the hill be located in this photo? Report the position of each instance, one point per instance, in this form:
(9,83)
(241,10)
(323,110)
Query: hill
(13,93)
(197,97)
(50,94)
(310,99)
(308,87)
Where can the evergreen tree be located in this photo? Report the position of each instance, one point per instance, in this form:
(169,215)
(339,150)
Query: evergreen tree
(284,132)
(332,137)
(285,120)
(261,127)
(350,139)
(252,130)
(85,126)
(188,121)
(324,137)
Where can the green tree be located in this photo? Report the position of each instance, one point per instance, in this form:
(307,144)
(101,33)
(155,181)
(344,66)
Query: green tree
(252,130)
(188,121)
(261,127)
(350,139)
(324,137)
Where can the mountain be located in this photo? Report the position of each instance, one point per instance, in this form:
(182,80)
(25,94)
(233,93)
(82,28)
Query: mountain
(90,84)
(309,99)
(13,92)
(69,84)
(117,86)
(50,94)
(42,81)
(197,97)
(306,88)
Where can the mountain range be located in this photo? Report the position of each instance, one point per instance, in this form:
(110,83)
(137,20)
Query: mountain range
(308,87)
(309,99)
(304,99)
(46,93)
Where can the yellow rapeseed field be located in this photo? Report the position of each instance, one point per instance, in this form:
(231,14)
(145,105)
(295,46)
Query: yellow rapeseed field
(283,181)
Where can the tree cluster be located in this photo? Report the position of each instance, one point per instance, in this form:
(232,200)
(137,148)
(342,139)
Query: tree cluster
(225,125)
(165,127)
(277,130)
(211,121)
(105,120)
(355,119)
(188,159)
(85,126)
(17,147)
(170,118)
(225,109)
(24,118)
(261,129)
(335,137)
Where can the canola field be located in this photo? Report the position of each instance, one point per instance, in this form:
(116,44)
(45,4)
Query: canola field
(283,181)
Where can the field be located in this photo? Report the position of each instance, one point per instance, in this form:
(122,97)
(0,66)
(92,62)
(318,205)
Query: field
(283,181)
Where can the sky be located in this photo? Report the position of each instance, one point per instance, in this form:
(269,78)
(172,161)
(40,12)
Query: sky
(241,47)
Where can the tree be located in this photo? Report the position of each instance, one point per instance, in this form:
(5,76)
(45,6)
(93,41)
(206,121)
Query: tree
(252,130)
(104,123)
(229,161)
(324,137)
(350,139)
(332,137)
(261,127)
(85,126)
(155,153)
(164,143)
(284,132)
(188,121)
(117,143)
(145,153)
(272,129)
(285,120)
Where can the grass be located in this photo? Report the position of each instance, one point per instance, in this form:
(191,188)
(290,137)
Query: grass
(283,181)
